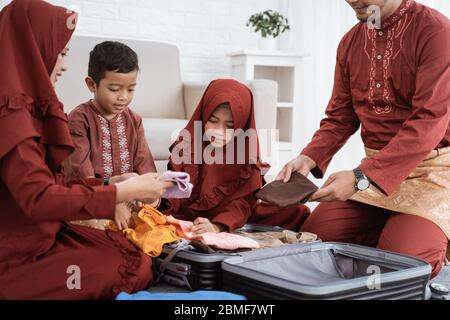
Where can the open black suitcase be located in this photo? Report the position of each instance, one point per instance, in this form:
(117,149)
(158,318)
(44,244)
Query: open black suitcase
(326,271)
(184,266)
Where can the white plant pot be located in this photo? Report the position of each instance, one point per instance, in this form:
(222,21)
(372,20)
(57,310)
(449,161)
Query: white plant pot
(268,44)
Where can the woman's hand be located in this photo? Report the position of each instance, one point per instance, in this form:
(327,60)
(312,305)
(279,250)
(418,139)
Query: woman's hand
(122,216)
(122,177)
(203,225)
(301,164)
(146,186)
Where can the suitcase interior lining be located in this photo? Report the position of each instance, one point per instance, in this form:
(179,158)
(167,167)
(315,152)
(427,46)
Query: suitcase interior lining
(316,267)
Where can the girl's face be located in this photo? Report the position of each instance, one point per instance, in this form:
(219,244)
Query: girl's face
(220,126)
(60,66)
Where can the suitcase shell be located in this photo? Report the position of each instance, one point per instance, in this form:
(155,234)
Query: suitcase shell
(321,271)
(205,270)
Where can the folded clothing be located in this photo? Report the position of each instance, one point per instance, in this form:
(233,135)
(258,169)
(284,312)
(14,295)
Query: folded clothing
(183,187)
(276,239)
(196,295)
(151,231)
(228,241)
(297,191)
(265,240)
(222,240)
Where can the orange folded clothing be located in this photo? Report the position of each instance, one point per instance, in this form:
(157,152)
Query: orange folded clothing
(222,240)
(151,231)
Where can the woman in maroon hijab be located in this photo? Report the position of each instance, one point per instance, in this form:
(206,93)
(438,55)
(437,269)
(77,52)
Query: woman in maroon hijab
(42,257)
(222,198)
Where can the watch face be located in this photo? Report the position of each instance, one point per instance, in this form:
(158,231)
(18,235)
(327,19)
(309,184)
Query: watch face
(363,185)
(439,288)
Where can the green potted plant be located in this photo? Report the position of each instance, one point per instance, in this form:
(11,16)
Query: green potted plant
(270,24)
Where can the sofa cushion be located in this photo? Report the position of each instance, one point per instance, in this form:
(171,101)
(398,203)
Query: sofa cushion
(161,165)
(160,134)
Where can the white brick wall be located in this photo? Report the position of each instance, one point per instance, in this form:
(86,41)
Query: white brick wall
(204,30)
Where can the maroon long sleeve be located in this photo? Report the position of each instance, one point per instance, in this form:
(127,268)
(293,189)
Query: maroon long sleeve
(395,83)
(32,186)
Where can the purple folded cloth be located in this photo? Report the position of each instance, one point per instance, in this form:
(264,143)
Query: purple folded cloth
(183,187)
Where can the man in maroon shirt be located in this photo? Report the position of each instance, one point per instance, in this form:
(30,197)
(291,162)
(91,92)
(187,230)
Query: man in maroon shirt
(393,80)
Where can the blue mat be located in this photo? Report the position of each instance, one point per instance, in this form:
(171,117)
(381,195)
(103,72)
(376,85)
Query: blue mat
(196,295)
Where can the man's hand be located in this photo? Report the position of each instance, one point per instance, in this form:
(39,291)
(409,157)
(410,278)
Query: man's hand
(202,225)
(340,186)
(301,164)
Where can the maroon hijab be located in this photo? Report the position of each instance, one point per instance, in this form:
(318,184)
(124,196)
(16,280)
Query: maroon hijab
(216,185)
(32,34)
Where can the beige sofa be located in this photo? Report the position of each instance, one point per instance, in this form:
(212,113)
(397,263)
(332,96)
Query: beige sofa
(163,100)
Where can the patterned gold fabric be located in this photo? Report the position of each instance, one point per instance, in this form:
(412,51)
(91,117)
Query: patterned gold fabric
(425,193)
(103,224)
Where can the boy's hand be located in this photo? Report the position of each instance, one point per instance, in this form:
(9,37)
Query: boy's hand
(122,216)
(135,206)
(203,225)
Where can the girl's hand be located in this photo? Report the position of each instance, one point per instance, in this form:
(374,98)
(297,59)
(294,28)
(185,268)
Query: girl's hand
(203,225)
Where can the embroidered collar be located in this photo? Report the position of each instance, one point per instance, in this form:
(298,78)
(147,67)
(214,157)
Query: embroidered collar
(401,11)
(95,108)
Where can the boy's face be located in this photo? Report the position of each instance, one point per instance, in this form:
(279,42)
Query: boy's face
(115,91)
(220,127)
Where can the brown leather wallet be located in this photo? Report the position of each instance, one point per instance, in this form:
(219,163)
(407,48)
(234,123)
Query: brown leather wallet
(297,191)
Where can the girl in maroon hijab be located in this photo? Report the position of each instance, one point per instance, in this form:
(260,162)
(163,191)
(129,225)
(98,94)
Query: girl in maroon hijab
(222,198)
(40,256)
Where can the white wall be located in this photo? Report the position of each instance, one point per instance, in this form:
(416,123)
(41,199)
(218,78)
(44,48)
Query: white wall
(204,30)
(441,5)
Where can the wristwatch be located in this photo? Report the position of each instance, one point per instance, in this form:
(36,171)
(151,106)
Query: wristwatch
(362,182)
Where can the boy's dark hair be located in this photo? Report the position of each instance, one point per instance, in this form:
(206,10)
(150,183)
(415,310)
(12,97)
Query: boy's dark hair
(111,56)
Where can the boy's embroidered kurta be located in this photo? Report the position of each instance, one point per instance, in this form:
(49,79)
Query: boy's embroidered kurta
(107,148)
